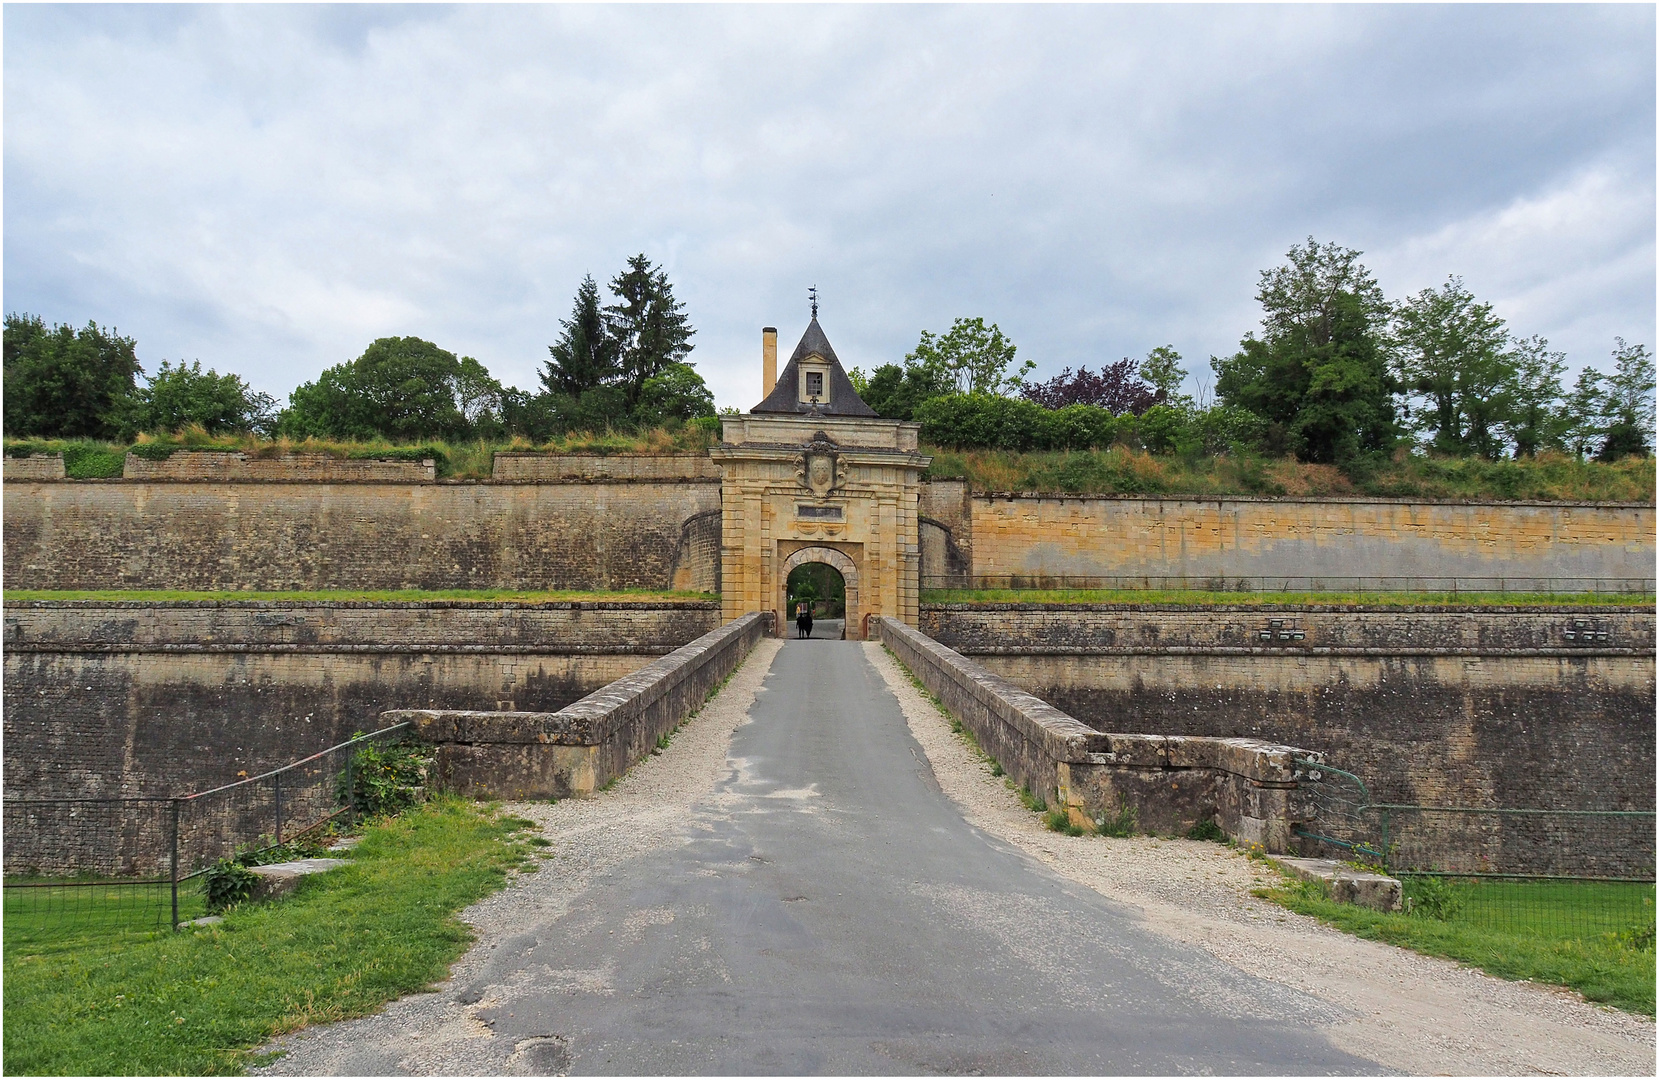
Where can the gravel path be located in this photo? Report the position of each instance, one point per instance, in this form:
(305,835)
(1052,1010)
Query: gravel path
(1417,1014)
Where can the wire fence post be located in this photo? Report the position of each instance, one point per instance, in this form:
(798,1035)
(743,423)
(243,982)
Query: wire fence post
(277,780)
(173,859)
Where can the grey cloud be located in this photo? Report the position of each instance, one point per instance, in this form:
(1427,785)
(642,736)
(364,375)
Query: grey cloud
(269,188)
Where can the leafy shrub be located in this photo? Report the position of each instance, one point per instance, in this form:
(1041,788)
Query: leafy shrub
(386,779)
(1000,423)
(227,882)
(89,461)
(1206,830)
(1436,898)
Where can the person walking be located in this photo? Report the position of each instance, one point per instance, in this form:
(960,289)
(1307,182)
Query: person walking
(803,618)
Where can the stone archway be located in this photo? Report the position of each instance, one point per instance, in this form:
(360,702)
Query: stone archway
(844,565)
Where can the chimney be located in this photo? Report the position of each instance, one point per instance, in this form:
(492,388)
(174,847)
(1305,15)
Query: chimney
(768,360)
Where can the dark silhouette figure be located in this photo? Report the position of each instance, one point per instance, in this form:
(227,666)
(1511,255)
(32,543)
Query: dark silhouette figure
(803,619)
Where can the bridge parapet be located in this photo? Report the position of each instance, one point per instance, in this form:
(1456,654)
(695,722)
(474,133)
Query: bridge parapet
(587,744)
(1171,783)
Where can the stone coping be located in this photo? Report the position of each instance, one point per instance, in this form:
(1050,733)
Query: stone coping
(593,720)
(1392,500)
(555,605)
(1064,738)
(1357,609)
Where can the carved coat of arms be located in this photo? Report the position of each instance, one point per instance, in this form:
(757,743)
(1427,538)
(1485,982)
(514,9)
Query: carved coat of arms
(820,469)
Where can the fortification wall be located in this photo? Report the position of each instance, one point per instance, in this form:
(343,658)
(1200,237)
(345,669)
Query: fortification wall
(126,699)
(1470,707)
(331,535)
(1033,537)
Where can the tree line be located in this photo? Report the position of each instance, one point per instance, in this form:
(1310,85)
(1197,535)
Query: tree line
(622,364)
(1337,373)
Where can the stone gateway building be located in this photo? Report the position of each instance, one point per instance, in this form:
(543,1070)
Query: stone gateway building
(812,475)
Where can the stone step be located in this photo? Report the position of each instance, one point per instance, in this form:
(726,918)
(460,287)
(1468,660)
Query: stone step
(278,879)
(1348,885)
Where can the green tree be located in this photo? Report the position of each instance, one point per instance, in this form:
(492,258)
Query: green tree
(973,357)
(1162,370)
(678,393)
(400,388)
(584,357)
(1534,396)
(178,396)
(479,398)
(1627,404)
(1580,419)
(1319,374)
(64,383)
(649,327)
(896,392)
(1454,352)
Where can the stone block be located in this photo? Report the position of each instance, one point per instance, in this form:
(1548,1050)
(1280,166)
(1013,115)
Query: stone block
(1348,885)
(279,879)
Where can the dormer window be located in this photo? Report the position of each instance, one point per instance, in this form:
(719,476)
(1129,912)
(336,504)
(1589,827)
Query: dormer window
(815,385)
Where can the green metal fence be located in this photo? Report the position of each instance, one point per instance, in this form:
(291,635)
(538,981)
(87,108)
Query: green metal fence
(1472,841)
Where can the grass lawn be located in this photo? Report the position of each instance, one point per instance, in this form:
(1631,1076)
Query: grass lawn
(526,596)
(1596,937)
(99,1000)
(1194,597)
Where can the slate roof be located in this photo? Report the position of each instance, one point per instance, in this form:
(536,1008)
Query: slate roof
(840,399)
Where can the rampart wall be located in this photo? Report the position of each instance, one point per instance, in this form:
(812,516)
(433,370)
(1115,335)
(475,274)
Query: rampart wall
(223,521)
(228,535)
(1491,708)
(1033,538)
(130,699)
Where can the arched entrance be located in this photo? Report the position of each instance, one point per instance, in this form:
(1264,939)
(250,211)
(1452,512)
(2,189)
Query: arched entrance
(842,565)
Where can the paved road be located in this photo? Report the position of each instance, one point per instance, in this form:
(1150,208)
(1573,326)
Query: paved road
(833,913)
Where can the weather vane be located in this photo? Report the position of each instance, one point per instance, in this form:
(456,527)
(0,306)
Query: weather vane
(812,294)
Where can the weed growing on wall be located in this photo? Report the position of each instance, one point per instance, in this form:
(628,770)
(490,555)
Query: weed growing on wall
(1207,830)
(1124,823)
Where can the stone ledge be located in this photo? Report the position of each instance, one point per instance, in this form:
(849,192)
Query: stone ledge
(582,747)
(1347,885)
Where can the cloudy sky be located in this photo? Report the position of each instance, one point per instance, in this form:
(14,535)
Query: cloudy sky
(268,189)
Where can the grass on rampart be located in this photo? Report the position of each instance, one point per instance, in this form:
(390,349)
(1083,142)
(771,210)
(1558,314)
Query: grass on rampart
(1239,599)
(521,596)
(1114,471)
(1121,471)
(1547,932)
(199,1000)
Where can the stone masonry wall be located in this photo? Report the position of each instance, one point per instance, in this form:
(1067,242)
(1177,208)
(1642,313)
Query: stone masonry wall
(130,699)
(240,535)
(1246,787)
(1038,536)
(1474,708)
